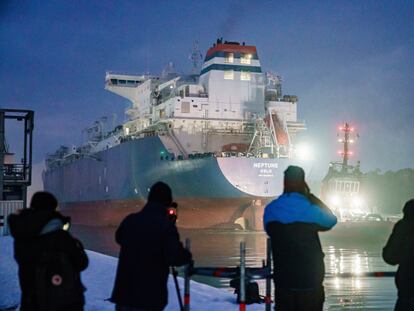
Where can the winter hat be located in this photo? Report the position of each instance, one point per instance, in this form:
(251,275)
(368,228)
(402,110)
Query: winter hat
(294,180)
(161,193)
(44,201)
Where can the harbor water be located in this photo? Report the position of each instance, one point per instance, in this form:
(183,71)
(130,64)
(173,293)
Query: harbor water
(221,248)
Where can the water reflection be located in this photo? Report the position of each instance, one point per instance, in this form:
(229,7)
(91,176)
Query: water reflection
(341,256)
(221,248)
(357,292)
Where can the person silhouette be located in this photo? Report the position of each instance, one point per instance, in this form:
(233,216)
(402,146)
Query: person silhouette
(41,244)
(292,222)
(150,244)
(399,250)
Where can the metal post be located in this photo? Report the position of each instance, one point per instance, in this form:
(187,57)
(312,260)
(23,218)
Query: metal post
(2,152)
(242,276)
(25,151)
(177,288)
(268,297)
(24,196)
(2,226)
(187,280)
(30,133)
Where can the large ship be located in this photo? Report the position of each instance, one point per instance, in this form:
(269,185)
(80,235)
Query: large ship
(221,138)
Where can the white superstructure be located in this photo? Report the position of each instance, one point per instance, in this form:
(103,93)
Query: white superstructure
(232,107)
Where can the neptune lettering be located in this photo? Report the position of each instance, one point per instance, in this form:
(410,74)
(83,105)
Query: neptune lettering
(265,165)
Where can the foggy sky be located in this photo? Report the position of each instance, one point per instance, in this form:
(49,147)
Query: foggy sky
(346,60)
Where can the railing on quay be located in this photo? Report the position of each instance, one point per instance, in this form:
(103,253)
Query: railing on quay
(15,172)
(254,273)
(7,208)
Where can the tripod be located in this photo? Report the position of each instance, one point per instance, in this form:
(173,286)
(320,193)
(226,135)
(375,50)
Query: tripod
(177,288)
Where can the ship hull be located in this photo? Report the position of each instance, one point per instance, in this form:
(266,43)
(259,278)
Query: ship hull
(193,213)
(210,191)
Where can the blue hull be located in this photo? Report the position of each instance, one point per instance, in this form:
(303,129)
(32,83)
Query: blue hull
(128,170)
(120,177)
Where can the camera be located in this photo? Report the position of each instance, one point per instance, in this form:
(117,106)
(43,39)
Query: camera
(172,212)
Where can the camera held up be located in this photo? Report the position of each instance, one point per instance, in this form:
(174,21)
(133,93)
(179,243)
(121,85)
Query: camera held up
(172,212)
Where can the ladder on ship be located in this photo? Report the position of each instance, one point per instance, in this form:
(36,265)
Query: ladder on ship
(262,138)
(177,142)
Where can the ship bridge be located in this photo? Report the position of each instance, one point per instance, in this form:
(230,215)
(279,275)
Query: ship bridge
(233,78)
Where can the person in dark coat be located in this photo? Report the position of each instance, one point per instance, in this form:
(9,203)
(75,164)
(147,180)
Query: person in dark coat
(292,222)
(150,244)
(35,230)
(399,250)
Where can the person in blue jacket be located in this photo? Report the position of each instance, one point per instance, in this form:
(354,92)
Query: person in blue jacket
(292,222)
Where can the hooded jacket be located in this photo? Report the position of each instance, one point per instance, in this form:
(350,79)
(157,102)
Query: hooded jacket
(399,250)
(293,221)
(150,244)
(35,231)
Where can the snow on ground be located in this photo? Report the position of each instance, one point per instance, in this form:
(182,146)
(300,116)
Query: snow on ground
(99,279)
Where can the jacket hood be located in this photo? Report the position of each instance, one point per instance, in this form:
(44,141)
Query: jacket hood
(30,223)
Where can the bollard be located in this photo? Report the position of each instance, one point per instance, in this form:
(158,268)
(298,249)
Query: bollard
(187,280)
(2,227)
(242,276)
(268,297)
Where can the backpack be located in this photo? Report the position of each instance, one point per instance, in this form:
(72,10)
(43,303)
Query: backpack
(251,290)
(57,283)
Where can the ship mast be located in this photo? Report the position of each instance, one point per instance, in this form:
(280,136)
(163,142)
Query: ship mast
(346,140)
(195,57)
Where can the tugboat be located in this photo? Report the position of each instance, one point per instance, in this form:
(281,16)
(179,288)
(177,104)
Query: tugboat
(343,189)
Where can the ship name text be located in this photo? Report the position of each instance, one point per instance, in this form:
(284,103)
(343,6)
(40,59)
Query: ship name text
(265,165)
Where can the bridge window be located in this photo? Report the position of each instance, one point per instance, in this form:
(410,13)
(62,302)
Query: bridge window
(228,74)
(245,59)
(229,58)
(245,76)
(185,107)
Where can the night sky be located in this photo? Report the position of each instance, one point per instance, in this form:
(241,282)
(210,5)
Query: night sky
(346,60)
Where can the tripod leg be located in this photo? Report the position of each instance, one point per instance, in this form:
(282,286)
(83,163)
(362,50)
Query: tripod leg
(177,288)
